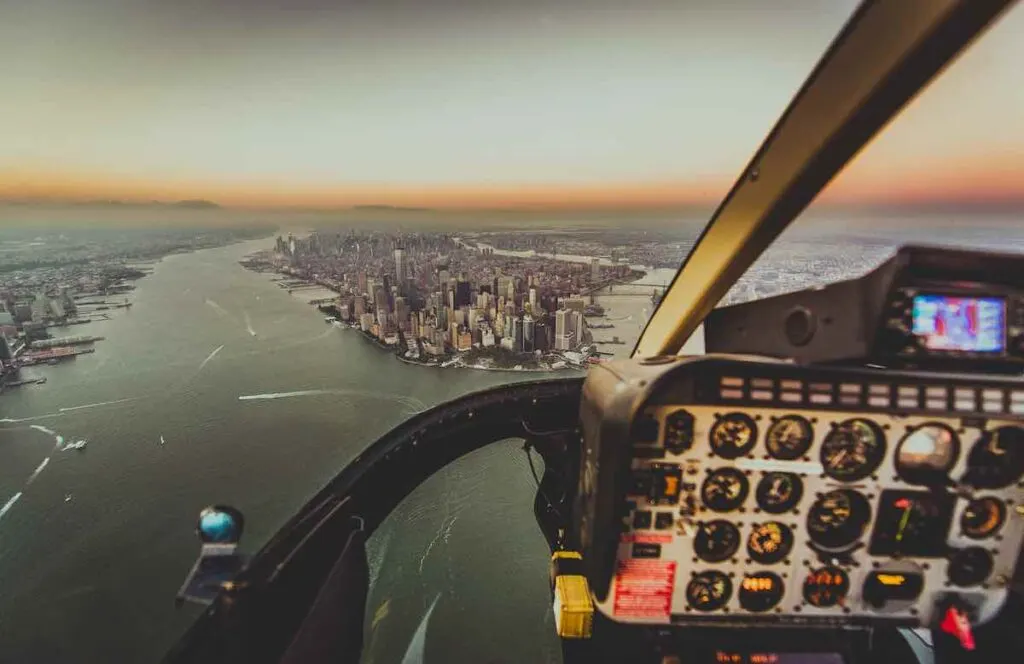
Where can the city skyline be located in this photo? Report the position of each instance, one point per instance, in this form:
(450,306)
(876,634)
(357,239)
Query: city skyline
(528,105)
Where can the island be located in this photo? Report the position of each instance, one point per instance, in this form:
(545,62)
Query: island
(443,300)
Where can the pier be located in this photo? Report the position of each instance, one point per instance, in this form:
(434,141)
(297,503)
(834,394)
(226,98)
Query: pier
(66,341)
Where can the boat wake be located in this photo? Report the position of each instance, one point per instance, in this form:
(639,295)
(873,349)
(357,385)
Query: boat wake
(282,395)
(416,405)
(32,478)
(248,324)
(216,307)
(9,504)
(443,532)
(210,356)
(417,649)
(96,405)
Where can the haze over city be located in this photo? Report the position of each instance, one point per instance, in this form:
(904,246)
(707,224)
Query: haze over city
(563,104)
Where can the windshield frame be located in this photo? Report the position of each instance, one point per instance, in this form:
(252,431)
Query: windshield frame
(885,55)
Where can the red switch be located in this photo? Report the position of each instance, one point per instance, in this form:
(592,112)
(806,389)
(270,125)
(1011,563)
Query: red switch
(956,623)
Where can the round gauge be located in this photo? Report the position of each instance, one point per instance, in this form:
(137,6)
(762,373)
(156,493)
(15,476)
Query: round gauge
(678,431)
(997,459)
(724,490)
(769,542)
(982,517)
(716,541)
(926,453)
(826,587)
(853,450)
(838,518)
(779,492)
(760,591)
(733,435)
(708,591)
(789,437)
(970,566)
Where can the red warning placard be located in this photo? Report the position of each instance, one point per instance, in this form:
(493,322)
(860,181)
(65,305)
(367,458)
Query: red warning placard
(643,589)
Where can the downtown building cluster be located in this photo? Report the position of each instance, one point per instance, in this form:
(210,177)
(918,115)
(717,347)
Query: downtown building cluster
(433,295)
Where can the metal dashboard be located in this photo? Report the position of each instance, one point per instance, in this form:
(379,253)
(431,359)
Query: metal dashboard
(761,492)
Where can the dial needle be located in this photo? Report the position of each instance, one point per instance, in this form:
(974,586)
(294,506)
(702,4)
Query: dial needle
(903,524)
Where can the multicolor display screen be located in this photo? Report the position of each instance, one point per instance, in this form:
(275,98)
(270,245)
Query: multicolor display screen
(964,324)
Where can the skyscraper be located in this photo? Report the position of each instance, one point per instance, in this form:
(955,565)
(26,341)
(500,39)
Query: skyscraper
(561,327)
(400,268)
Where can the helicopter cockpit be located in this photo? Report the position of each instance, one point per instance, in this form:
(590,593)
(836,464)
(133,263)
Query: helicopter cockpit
(792,479)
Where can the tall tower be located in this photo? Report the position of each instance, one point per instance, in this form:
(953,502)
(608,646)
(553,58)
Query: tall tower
(400,267)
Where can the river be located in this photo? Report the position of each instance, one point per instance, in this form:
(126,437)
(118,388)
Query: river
(99,541)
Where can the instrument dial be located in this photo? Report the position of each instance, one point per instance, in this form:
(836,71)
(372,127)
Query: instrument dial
(912,523)
(970,566)
(982,517)
(769,542)
(761,591)
(838,519)
(826,587)
(679,432)
(926,453)
(997,459)
(708,591)
(724,490)
(789,437)
(853,450)
(779,492)
(733,435)
(716,541)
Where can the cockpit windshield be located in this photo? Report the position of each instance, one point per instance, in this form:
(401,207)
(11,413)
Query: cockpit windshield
(242,241)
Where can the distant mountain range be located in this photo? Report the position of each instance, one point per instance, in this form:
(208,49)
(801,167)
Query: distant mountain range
(391,208)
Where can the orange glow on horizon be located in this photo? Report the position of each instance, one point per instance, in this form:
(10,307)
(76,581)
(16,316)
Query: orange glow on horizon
(969,180)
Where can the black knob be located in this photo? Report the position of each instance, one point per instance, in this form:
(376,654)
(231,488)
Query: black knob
(800,326)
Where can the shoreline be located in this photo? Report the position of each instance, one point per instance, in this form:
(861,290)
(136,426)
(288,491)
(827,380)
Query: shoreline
(391,351)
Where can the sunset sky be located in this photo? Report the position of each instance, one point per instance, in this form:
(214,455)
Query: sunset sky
(461,104)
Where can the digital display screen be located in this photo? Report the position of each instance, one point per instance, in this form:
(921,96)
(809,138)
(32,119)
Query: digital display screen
(967,324)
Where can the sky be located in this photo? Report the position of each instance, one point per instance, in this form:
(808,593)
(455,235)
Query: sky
(460,103)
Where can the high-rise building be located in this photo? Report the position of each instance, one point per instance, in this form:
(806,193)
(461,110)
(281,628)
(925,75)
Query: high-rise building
(5,350)
(528,333)
(400,269)
(402,313)
(578,327)
(533,300)
(463,294)
(568,329)
(542,336)
(595,269)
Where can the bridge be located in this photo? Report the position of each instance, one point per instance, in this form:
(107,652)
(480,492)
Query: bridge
(627,288)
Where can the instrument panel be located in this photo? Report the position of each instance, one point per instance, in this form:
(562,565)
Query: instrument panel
(816,515)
